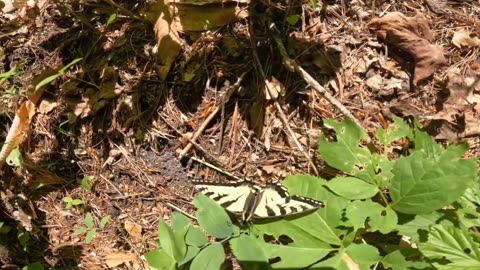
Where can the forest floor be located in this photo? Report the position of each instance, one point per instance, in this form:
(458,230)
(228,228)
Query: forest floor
(106,134)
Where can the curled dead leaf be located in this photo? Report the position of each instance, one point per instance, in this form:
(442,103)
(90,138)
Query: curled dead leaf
(20,125)
(412,35)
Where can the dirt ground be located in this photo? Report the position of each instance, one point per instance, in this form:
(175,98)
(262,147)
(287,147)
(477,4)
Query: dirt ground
(112,116)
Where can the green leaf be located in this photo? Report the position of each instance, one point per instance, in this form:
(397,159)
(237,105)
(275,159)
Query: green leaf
(179,221)
(59,73)
(453,244)
(14,70)
(89,220)
(112,18)
(15,158)
(425,143)
(353,160)
(172,243)
(77,202)
(211,257)
(293,19)
(355,256)
(352,188)
(34,266)
(380,218)
(196,237)
(249,252)
(159,260)
(67,199)
(192,251)
(422,184)
(416,226)
(104,221)
(90,236)
(397,261)
(212,217)
(397,130)
(292,257)
(86,183)
(81,230)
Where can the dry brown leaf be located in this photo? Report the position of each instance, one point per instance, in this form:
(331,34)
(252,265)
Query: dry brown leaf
(463,105)
(117,258)
(20,125)
(46,106)
(200,18)
(275,86)
(134,230)
(412,35)
(464,38)
(384,86)
(172,17)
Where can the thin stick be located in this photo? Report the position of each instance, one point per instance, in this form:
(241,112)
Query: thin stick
(180,210)
(205,123)
(281,114)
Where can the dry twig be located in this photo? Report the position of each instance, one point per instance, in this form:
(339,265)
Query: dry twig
(205,123)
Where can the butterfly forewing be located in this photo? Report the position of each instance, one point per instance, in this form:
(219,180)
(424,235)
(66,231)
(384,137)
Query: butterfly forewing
(233,196)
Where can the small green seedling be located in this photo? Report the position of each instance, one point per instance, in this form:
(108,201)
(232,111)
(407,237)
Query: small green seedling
(72,202)
(90,227)
(4,76)
(86,183)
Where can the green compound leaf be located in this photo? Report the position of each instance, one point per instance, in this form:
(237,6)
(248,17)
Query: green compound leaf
(379,218)
(352,188)
(453,244)
(172,243)
(397,130)
(248,251)
(196,237)
(179,221)
(346,154)
(212,217)
(422,185)
(211,257)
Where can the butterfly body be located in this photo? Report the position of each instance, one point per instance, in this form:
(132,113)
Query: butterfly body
(250,201)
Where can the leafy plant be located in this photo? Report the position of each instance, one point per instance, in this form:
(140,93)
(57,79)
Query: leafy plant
(90,228)
(6,75)
(61,72)
(422,210)
(71,202)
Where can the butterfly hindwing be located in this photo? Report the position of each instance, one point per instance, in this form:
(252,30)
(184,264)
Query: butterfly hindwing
(275,202)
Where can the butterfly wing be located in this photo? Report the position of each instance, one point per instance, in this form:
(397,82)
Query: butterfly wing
(274,201)
(235,197)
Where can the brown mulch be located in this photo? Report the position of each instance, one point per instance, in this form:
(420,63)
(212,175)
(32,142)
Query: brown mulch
(110,116)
